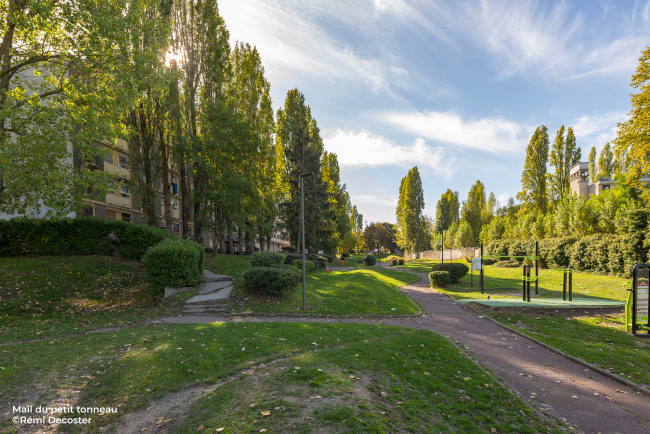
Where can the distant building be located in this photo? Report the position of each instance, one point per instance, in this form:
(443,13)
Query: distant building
(581,185)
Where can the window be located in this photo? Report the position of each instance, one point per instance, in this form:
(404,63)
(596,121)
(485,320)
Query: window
(108,157)
(111,215)
(174,205)
(126,217)
(174,185)
(175,228)
(123,161)
(112,186)
(124,191)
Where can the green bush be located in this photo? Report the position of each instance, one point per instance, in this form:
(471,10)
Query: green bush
(345,255)
(439,279)
(634,232)
(394,261)
(267,258)
(556,251)
(290,268)
(83,236)
(290,257)
(490,261)
(508,264)
(270,279)
(320,262)
(309,265)
(401,261)
(370,260)
(456,270)
(174,262)
(329,258)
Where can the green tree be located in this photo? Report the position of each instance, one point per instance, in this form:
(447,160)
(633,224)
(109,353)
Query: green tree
(464,236)
(302,150)
(59,92)
(564,155)
(632,143)
(410,229)
(606,163)
(533,179)
(473,208)
(447,209)
(593,166)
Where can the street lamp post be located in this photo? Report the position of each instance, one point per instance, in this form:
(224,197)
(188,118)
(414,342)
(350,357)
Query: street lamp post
(302,220)
(442,232)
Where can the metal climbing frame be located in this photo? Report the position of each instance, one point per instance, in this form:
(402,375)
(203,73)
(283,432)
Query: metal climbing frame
(536,258)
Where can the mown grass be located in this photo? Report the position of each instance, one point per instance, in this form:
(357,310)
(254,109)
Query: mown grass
(369,290)
(430,385)
(598,338)
(54,295)
(507,283)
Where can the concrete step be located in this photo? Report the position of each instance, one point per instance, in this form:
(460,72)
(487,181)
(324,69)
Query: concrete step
(205,309)
(207,288)
(219,297)
(213,277)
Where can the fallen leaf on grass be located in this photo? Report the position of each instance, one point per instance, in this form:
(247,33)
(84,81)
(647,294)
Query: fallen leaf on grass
(351,376)
(399,403)
(384,394)
(266,413)
(221,429)
(252,405)
(493,430)
(201,428)
(296,367)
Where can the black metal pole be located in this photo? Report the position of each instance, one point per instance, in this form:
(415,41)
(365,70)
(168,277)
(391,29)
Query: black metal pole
(528,285)
(481,278)
(564,286)
(523,291)
(570,283)
(302,220)
(442,253)
(536,266)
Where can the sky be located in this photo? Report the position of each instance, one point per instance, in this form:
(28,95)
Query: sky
(455,88)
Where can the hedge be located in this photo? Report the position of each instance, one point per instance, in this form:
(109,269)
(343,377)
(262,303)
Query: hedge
(290,257)
(320,262)
(309,265)
(370,260)
(613,254)
(82,236)
(174,262)
(456,270)
(270,279)
(267,258)
(329,258)
(439,279)
(400,261)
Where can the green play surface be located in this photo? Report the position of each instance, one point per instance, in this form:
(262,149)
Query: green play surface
(546,302)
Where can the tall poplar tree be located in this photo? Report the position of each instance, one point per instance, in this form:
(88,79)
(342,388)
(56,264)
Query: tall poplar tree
(473,208)
(593,166)
(447,210)
(606,162)
(298,136)
(410,223)
(533,179)
(564,155)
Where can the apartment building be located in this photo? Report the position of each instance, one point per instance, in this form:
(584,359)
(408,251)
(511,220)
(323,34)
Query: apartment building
(581,185)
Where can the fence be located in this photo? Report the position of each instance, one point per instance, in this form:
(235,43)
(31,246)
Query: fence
(472,252)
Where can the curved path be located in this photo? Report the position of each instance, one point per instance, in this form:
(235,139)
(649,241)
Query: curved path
(586,400)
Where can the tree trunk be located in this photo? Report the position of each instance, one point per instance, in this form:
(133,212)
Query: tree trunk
(165,184)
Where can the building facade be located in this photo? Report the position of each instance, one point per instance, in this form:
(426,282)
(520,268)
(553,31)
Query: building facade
(581,185)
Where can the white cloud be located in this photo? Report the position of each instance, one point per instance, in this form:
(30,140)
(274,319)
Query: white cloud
(366,149)
(495,135)
(290,38)
(368,198)
(597,130)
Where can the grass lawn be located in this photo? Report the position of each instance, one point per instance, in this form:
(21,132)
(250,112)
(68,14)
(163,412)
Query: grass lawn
(54,295)
(597,336)
(310,378)
(368,290)
(365,290)
(506,283)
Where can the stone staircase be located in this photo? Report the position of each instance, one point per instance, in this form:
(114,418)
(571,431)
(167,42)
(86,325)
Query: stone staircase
(213,296)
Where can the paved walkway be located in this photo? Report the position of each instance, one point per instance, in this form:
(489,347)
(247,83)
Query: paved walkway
(588,401)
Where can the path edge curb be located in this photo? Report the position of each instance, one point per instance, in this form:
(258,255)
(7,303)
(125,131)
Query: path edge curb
(309,315)
(601,371)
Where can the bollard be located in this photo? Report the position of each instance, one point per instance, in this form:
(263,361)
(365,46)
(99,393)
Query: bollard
(564,285)
(528,284)
(570,283)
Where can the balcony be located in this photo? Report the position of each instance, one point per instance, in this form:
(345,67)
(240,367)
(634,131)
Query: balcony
(118,171)
(118,200)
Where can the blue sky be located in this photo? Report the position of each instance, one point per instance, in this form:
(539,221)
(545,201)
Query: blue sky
(454,87)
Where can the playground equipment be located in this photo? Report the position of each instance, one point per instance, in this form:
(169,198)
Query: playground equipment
(526,278)
(636,308)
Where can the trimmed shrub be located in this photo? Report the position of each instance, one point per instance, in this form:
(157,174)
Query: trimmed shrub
(394,261)
(329,258)
(290,257)
(209,250)
(270,279)
(309,265)
(267,258)
(321,263)
(370,260)
(345,255)
(556,251)
(291,268)
(400,261)
(174,262)
(83,236)
(634,232)
(508,264)
(490,261)
(456,270)
(439,279)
